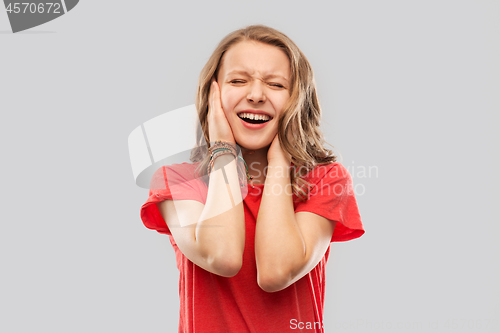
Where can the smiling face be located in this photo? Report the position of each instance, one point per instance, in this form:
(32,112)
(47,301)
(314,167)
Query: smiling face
(255,83)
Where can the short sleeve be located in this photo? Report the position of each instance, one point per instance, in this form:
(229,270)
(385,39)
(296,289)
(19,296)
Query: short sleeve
(174,182)
(332,196)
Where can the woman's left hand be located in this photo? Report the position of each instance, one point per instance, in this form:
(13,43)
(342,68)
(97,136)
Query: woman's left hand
(277,154)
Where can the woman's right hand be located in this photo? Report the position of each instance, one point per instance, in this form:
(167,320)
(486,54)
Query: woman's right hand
(218,126)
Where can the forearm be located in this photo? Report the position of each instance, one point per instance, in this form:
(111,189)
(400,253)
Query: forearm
(220,231)
(279,244)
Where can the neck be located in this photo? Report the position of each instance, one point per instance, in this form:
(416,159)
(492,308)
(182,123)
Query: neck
(256,161)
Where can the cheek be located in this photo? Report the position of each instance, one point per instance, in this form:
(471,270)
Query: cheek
(224,99)
(229,99)
(281,102)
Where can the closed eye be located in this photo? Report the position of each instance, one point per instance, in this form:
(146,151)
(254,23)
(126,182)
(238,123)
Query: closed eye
(276,85)
(236,81)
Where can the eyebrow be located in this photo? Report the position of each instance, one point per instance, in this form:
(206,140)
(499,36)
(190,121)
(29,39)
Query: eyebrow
(270,76)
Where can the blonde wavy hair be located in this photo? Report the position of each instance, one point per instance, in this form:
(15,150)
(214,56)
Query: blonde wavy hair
(298,125)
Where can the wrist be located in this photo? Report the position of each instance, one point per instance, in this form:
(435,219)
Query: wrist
(279,162)
(278,172)
(221,162)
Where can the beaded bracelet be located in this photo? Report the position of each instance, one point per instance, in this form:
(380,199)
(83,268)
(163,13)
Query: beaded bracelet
(220,148)
(214,156)
(223,145)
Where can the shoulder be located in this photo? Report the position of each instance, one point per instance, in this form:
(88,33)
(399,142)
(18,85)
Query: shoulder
(182,168)
(176,172)
(332,196)
(330,173)
(176,178)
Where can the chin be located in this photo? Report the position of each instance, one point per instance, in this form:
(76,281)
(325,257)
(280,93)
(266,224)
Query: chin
(248,144)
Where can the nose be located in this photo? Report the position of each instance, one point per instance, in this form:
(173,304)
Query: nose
(256,93)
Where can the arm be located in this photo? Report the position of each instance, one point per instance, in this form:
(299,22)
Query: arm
(288,245)
(212,236)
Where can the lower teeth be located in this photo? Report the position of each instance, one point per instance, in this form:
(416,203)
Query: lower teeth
(253,121)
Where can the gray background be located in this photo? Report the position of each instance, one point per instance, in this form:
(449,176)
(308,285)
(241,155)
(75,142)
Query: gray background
(409,87)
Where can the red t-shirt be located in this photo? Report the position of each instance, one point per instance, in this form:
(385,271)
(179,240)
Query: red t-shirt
(212,303)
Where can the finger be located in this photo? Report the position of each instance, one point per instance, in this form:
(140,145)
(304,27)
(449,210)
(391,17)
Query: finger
(210,96)
(216,97)
(211,102)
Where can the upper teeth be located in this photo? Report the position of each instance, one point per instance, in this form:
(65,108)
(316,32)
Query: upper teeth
(254,116)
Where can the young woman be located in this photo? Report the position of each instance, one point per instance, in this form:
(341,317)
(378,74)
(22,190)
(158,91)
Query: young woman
(252,255)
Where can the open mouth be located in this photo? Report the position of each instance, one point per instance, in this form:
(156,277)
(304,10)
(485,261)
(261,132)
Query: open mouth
(254,118)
